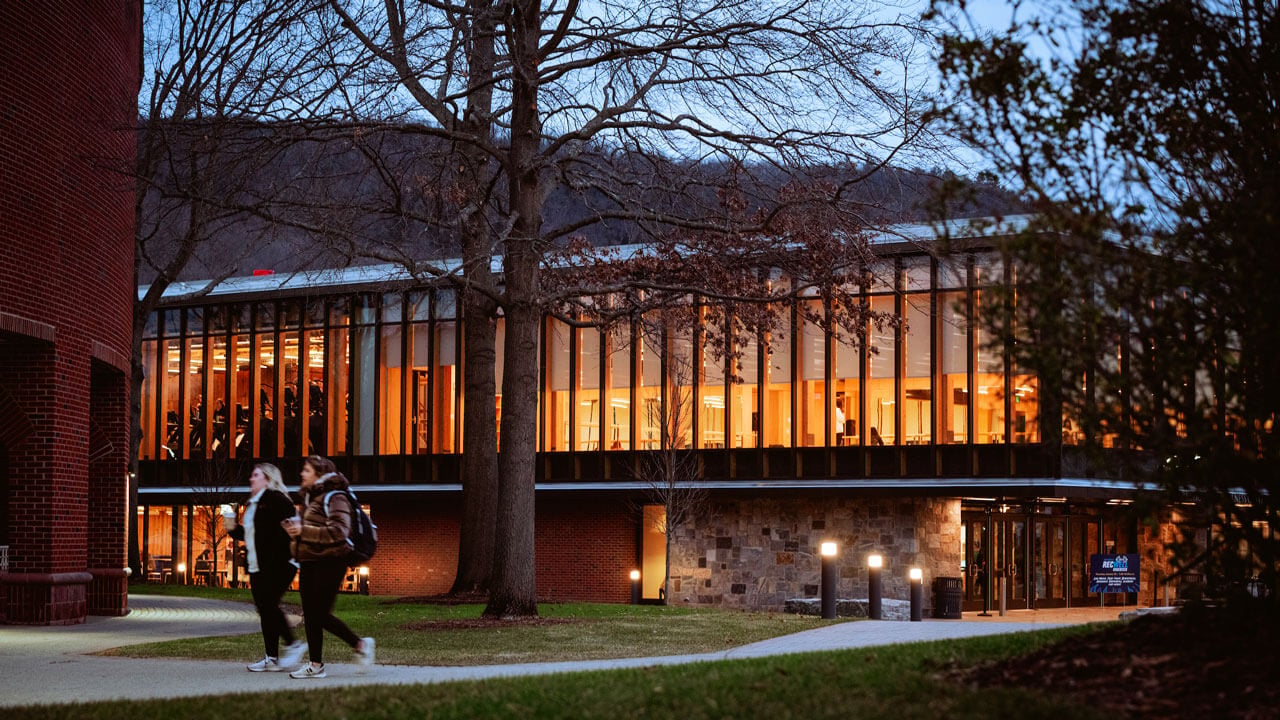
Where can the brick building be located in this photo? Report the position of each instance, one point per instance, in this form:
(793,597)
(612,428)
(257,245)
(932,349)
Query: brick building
(68,93)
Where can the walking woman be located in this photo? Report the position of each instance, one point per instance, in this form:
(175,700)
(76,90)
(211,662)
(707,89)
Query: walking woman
(271,566)
(321,547)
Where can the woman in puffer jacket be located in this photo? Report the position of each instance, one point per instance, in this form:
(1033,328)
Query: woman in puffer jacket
(321,548)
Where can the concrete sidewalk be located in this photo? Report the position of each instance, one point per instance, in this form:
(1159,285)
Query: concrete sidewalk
(48,665)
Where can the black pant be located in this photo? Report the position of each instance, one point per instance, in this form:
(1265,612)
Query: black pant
(268,587)
(319,584)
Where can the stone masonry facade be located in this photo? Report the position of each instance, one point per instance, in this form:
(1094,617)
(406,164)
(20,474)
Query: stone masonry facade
(757,553)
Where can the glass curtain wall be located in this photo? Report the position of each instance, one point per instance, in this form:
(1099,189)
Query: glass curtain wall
(587,408)
(222,363)
(338,402)
(446,385)
(846,377)
(744,392)
(290,373)
(617,360)
(193,441)
(989,377)
(311,384)
(555,392)
(775,425)
(812,366)
(338,375)
(649,393)
(882,362)
(711,381)
(150,366)
(391,377)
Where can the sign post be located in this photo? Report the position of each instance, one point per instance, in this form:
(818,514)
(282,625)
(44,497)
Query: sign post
(1114,574)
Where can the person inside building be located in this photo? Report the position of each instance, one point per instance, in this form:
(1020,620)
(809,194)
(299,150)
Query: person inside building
(321,548)
(270,564)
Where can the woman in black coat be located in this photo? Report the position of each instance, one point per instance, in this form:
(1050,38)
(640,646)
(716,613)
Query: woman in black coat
(271,567)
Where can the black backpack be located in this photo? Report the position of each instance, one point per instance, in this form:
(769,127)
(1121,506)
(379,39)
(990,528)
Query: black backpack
(364,534)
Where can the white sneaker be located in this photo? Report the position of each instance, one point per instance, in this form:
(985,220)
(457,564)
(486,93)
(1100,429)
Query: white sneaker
(365,654)
(266,664)
(308,671)
(292,655)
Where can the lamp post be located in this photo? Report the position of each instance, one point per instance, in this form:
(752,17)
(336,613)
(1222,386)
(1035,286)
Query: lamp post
(917,595)
(828,581)
(635,587)
(874,609)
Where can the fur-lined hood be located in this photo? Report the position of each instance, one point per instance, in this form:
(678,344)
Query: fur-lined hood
(329,482)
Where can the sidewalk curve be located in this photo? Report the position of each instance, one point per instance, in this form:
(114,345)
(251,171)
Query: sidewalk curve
(48,665)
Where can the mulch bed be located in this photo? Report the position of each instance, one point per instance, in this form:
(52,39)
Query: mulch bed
(1199,663)
(482,623)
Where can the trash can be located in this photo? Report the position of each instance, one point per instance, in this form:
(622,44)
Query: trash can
(948,592)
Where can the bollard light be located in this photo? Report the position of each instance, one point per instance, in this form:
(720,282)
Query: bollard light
(635,587)
(828,580)
(917,594)
(874,607)
(181,576)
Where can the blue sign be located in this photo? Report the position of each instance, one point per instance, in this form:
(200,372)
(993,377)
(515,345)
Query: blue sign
(1114,573)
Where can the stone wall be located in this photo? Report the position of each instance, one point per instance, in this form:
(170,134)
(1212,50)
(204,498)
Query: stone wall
(757,553)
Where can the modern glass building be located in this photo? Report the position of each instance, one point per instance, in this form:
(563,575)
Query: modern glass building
(924,445)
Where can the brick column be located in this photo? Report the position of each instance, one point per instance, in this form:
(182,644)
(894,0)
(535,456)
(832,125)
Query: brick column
(108,510)
(48,485)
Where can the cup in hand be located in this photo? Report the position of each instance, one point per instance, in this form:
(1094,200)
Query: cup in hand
(292,525)
(228,517)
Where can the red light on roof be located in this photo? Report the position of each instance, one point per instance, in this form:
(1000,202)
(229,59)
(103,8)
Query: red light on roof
(263,272)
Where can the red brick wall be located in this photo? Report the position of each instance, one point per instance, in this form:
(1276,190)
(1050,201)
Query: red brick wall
(585,547)
(417,545)
(68,99)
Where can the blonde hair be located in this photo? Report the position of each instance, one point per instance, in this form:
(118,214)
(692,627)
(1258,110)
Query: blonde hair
(275,481)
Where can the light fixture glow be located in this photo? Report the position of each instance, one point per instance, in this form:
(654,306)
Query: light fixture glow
(917,574)
(364,571)
(875,561)
(635,575)
(829,549)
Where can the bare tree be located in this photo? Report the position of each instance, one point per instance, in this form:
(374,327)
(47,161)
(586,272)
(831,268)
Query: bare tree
(214,187)
(648,113)
(671,471)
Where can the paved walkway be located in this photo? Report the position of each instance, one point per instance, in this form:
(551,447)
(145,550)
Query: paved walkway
(48,665)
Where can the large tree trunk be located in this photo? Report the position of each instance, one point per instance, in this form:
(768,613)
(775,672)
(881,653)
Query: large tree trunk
(479,420)
(479,444)
(514,590)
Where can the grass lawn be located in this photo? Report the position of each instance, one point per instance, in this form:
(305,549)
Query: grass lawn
(902,682)
(428,634)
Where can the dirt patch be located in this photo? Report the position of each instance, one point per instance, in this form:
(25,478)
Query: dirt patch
(1199,663)
(483,623)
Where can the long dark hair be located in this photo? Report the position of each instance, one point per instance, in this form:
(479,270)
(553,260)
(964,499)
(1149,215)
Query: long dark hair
(321,465)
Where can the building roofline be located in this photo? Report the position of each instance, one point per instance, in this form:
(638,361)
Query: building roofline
(364,275)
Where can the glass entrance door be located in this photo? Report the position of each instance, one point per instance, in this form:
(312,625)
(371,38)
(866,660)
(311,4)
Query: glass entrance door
(995,548)
(1083,540)
(1049,545)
